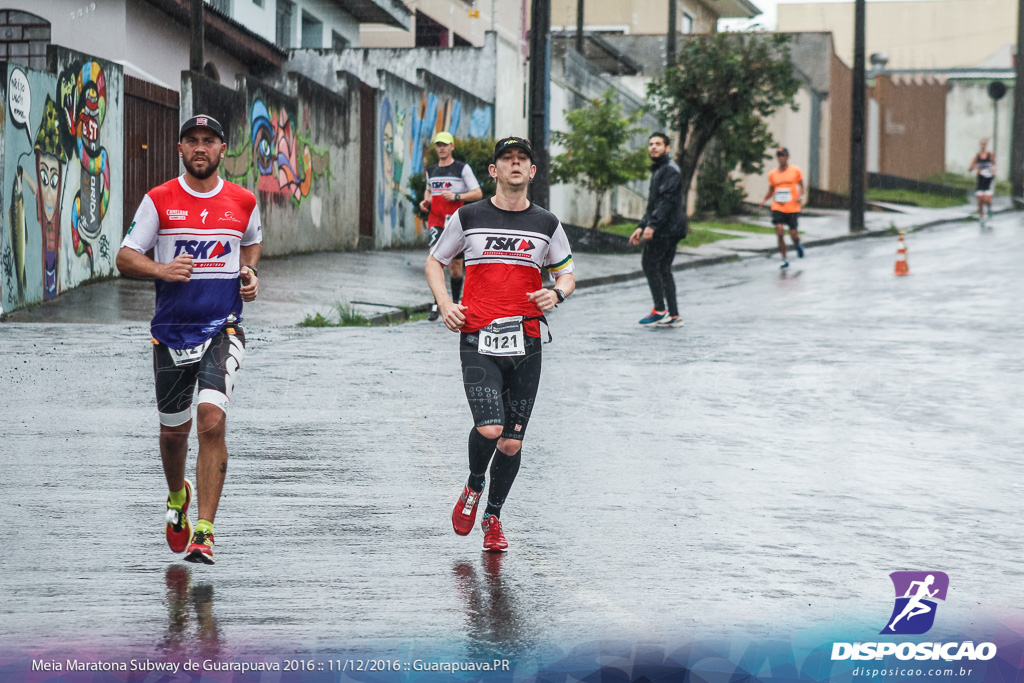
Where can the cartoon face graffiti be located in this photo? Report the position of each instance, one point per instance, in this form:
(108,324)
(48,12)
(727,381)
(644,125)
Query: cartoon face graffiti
(50,161)
(48,177)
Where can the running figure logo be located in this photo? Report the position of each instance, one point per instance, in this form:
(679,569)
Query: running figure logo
(916,593)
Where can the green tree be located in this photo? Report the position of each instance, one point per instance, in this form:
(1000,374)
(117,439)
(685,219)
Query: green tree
(723,88)
(597,149)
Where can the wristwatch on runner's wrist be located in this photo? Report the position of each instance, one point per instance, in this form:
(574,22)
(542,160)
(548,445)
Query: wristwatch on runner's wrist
(458,197)
(252,270)
(560,294)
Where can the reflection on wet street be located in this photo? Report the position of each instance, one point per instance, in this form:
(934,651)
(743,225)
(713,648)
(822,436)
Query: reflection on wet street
(760,470)
(494,622)
(191,622)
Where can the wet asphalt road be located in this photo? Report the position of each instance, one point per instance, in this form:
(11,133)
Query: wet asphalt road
(757,472)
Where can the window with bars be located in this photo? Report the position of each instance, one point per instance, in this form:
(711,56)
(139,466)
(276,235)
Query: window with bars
(222,6)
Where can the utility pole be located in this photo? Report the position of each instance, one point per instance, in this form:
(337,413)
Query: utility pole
(579,26)
(540,76)
(671,54)
(1017,136)
(857,156)
(195,51)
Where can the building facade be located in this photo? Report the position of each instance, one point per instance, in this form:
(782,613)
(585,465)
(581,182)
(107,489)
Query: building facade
(936,34)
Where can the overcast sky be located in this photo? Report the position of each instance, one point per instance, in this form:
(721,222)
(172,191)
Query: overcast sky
(770,14)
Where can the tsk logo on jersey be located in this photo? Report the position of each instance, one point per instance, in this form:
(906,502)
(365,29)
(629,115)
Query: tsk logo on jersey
(177,214)
(203,250)
(440,184)
(916,593)
(508,246)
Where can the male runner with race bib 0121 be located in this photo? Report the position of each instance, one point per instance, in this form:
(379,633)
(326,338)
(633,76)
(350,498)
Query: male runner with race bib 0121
(206,238)
(450,184)
(508,241)
(786,190)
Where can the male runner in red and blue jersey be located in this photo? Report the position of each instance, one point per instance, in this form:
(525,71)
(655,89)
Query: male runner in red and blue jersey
(206,236)
(507,241)
(450,184)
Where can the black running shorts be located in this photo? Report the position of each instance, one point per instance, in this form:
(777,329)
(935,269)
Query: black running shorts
(501,389)
(783,218)
(984,186)
(216,374)
(434,235)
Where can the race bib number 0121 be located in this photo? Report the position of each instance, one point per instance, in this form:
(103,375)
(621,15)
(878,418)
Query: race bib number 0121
(502,337)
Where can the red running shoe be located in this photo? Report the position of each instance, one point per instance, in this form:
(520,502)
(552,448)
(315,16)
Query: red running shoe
(494,540)
(201,549)
(464,514)
(179,528)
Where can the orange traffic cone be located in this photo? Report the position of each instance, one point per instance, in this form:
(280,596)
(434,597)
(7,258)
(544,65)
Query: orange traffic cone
(902,266)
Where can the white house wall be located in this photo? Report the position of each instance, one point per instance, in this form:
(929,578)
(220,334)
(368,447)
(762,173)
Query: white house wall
(969,119)
(791,129)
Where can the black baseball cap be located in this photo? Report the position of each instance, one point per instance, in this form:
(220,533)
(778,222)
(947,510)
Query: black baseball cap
(509,143)
(782,151)
(202,121)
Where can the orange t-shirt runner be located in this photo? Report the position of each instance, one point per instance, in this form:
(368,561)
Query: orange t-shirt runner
(786,189)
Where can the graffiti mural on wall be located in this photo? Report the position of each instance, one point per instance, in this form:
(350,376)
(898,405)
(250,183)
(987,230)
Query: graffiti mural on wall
(435,114)
(392,158)
(273,155)
(66,126)
(83,93)
(409,118)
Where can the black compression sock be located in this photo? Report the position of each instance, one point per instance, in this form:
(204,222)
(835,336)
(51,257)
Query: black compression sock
(480,451)
(504,469)
(456,289)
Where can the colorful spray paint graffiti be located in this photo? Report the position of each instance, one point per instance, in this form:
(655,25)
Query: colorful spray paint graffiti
(409,118)
(392,158)
(67,125)
(83,93)
(273,155)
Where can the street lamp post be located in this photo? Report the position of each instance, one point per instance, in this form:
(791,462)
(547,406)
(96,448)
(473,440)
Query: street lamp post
(540,76)
(857,156)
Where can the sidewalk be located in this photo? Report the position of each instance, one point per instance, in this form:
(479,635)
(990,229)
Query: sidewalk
(387,285)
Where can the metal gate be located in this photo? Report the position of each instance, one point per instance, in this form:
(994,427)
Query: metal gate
(367,164)
(150,140)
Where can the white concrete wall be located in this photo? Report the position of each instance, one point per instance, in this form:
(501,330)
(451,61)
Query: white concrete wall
(159,55)
(334,18)
(792,130)
(969,119)
(510,90)
(133,34)
(260,20)
(96,27)
(472,69)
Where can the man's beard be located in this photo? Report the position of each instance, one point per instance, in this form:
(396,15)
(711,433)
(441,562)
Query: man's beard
(211,168)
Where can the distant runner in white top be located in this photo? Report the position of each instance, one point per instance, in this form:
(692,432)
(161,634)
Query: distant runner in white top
(450,184)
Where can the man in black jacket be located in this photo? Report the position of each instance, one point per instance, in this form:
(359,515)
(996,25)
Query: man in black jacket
(661,228)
